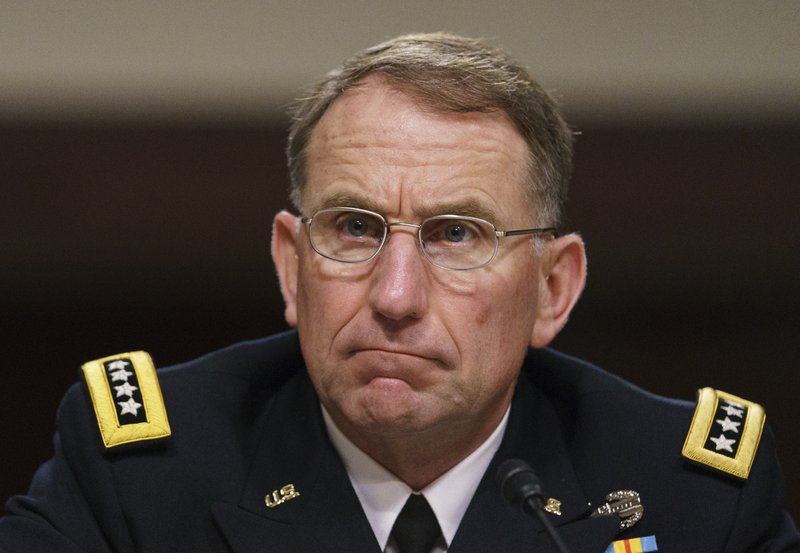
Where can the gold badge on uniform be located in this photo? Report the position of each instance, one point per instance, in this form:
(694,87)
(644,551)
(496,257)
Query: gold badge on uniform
(281,496)
(126,398)
(725,432)
(553,506)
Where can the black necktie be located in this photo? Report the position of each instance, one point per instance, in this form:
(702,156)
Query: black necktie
(416,527)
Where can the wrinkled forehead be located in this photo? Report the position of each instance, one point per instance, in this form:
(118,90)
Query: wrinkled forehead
(384,109)
(377,141)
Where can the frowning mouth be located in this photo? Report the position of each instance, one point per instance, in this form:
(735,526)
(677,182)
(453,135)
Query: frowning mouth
(396,353)
(394,363)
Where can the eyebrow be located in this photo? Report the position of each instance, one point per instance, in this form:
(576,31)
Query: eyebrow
(467,207)
(347,199)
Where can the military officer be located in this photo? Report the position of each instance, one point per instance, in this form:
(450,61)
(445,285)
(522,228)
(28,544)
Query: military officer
(424,277)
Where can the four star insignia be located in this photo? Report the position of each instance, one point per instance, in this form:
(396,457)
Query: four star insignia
(125,390)
(723,443)
(118,372)
(132,407)
(728,424)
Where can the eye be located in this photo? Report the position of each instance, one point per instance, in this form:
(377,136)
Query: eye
(446,231)
(356,226)
(350,226)
(455,232)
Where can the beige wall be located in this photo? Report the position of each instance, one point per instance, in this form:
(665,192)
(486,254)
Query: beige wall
(680,59)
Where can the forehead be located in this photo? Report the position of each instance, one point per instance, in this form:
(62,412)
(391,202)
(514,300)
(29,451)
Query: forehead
(379,146)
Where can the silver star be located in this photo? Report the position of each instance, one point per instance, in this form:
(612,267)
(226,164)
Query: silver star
(125,390)
(733,411)
(117,365)
(728,424)
(120,375)
(131,407)
(723,443)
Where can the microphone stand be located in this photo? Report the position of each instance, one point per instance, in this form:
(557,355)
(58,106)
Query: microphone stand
(520,486)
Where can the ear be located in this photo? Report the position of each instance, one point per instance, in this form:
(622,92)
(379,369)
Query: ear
(285,234)
(563,276)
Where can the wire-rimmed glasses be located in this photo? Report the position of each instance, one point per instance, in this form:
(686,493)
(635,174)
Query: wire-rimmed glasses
(454,242)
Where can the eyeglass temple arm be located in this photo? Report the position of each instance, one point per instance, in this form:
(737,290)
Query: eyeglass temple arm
(545,230)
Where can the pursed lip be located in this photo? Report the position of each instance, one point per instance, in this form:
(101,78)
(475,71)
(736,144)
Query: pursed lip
(419,348)
(377,364)
(400,352)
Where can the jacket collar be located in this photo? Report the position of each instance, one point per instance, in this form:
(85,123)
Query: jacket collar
(294,450)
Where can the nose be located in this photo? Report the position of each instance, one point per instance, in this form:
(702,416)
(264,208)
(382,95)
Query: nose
(399,279)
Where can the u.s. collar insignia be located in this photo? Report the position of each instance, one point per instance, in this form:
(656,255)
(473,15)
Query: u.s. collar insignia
(278,497)
(126,398)
(724,433)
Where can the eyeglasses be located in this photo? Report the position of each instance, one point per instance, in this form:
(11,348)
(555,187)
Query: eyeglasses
(455,242)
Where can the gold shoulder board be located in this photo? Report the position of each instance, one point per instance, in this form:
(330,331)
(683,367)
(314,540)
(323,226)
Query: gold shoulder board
(725,432)
(126,398)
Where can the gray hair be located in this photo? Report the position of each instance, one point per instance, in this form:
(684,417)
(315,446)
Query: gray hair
(449,73)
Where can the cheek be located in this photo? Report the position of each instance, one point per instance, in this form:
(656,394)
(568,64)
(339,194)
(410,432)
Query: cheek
(492,302)
(497,321)
(328,296)
(462,302)
(324,307)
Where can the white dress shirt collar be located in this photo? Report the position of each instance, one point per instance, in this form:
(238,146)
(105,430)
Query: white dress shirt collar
(382,494)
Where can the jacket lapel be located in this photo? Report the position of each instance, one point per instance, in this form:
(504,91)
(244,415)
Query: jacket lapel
(536,435)
(294,451)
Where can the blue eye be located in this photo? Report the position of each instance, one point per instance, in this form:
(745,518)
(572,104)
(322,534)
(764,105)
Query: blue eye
(455,233)
(357,226)
(449,231)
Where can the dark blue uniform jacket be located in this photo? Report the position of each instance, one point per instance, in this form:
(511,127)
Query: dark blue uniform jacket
(246,422)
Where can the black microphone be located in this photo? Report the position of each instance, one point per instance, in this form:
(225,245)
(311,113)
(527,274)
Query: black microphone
(522,488)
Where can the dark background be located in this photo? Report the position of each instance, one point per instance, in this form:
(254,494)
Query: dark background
(122,235)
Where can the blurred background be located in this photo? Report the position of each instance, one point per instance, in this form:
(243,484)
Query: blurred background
(141,164)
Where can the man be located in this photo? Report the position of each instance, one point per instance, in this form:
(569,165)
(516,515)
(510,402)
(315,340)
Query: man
(425,278)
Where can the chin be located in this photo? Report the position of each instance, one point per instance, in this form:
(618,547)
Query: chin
(389,410)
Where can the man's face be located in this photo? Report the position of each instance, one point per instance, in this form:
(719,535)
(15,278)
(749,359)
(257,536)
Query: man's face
(395,344)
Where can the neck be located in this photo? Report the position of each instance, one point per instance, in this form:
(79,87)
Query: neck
(419,457)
